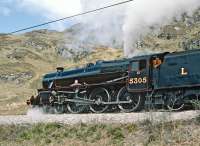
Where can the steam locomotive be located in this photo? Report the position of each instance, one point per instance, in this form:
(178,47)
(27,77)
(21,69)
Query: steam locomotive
(170,80)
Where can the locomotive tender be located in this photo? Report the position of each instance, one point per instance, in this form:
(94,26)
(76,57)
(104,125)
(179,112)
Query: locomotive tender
(166,79)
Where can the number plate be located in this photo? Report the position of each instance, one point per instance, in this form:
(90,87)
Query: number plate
(142,80)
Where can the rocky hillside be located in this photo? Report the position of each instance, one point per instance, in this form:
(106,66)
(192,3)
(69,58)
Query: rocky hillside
(181,34)
(26,57)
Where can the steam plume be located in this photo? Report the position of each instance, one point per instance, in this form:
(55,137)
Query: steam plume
(125,25)
(120,26)
(105,26)
(142,14)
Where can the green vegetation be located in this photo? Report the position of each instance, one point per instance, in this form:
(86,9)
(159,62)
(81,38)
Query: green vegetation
(145,134)
(44,134)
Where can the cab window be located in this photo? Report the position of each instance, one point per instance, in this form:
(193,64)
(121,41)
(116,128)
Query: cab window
(134,66)
(142,65)
(138,65)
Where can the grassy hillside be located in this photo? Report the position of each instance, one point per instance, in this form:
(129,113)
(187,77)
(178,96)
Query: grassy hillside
(26,57)
(180,133)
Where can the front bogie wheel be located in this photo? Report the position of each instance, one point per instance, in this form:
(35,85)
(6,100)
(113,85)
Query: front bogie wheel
(59,108)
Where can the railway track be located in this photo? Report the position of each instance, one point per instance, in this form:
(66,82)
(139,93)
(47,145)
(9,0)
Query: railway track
(35,116)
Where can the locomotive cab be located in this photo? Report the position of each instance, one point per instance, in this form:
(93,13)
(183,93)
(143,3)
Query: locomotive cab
(138,75)
(142,71)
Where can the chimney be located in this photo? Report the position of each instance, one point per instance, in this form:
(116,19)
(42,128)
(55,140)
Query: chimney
(60,69)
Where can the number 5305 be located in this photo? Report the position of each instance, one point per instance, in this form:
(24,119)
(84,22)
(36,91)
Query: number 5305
(138,80)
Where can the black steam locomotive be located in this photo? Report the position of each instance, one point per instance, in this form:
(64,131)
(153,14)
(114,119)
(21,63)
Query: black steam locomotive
(170,80)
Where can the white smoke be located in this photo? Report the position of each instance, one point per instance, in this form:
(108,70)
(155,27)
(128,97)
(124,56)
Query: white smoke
(142,14)
(97,29)
(119,26)
(104,26)
(101,27)
(36,113)
(127,24)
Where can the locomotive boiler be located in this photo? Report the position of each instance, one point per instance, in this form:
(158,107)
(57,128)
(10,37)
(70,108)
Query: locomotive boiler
(170,80)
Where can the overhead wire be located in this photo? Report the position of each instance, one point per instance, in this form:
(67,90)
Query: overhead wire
(68,17)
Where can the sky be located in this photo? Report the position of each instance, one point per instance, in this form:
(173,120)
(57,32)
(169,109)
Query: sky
(17,14)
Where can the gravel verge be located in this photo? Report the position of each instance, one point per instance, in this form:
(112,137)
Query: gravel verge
(36,116)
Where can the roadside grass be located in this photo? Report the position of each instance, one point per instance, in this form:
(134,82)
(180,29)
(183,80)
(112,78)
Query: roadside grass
(45,134)
(146,133)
